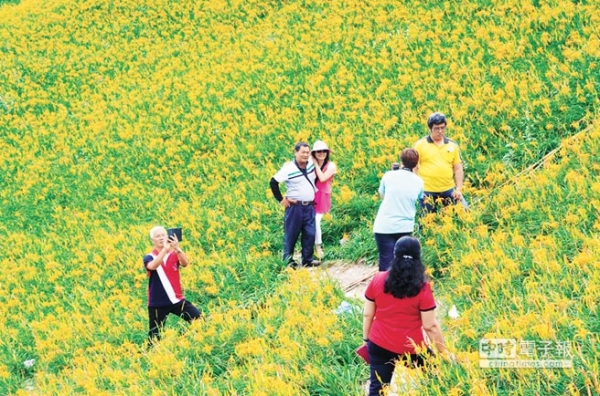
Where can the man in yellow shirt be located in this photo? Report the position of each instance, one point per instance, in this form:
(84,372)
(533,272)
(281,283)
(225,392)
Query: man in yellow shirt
(440,166)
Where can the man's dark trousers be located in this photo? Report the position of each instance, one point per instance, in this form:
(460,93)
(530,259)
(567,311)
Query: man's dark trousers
(432,201)
(158,315)
(299,218)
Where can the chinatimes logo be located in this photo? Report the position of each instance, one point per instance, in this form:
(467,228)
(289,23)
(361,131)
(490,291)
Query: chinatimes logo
(510,353)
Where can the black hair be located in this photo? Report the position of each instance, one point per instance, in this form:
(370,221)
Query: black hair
(325,161)
(436,119)
(299,145)
(406,276)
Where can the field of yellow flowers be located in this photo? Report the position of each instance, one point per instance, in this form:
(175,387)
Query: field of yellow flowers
(116,116)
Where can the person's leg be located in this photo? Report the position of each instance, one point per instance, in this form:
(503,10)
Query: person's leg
(292,224)
(156,320)
(413,360)
(445,198)
(382,367)
(417,360)
(308,233)
(318,234)
(385,246)
(188,311)
(429,204)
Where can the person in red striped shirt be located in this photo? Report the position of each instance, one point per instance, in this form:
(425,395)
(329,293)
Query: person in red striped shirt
(164,285)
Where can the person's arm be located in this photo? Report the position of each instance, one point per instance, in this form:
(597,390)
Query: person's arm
(283,201)
(421,198)
(158,260)
(328,174)
(183,259)
(382,187)
(458,181)
(368,315)
(275,189)
(181,256)
(433,330)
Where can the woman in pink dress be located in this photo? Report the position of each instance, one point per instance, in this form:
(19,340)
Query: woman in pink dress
(325,171)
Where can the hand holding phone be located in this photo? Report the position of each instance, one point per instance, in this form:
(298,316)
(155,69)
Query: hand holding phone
(175,234)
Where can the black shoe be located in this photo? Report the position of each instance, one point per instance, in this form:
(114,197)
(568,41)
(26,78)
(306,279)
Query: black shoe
(314,263)
(292,265)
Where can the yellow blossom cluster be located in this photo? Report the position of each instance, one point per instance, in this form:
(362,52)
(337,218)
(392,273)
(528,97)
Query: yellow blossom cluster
(116,116)
(524,265)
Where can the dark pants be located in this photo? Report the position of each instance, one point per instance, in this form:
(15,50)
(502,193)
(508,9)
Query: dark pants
(385,245)
(157,316)
(299,219)
(383,363)
(432,201)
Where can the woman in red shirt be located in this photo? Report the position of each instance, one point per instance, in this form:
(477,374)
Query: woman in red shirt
(399,306)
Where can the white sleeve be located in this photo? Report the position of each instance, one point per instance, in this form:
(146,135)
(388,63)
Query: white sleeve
(382,185)
(283,173)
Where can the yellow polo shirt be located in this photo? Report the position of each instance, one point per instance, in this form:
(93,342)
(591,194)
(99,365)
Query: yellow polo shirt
(436,163)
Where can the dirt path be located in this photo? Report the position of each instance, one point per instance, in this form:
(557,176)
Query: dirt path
(352,277)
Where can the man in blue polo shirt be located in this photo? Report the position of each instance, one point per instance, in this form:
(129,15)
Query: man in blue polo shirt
(299,203)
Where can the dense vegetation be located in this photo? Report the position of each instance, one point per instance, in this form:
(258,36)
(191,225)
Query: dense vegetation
(116,116)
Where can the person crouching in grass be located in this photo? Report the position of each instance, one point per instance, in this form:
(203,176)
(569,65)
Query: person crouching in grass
(164,285)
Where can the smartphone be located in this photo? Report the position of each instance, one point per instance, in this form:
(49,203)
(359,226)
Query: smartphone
(175,231)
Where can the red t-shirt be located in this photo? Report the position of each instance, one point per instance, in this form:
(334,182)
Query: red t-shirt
(164,284)
(397,324)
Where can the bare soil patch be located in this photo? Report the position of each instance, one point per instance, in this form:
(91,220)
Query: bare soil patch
(353,278)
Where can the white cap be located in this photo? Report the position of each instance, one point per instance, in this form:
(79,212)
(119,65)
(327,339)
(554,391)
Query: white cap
(320,145)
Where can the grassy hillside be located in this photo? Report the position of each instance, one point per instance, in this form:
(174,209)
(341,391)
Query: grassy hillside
(116,116)
(526,267)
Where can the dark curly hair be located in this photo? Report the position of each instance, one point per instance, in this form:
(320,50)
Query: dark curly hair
(406,276)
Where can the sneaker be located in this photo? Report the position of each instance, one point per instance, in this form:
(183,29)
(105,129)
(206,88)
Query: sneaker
(292,265)
(314,263)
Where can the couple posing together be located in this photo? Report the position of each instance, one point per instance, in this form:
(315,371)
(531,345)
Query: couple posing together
(308,180)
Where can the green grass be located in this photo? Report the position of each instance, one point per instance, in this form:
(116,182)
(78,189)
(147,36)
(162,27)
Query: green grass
(115,117)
